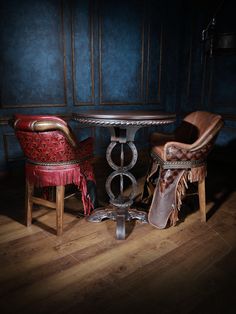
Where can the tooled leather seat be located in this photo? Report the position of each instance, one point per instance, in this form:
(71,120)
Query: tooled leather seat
(54,158)
(176,159)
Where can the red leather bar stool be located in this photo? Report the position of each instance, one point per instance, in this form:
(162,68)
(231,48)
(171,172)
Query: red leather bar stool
(54,158)
(177,159)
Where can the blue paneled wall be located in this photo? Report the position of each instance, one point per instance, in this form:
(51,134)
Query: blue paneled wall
(59,57)
(32,54)
(121,35)
(82,53)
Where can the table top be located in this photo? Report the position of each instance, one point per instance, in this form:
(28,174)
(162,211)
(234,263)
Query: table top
(124,117)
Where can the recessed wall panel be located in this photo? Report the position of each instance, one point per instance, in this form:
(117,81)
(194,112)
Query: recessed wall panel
(82,52)
(121,52)
(154,63)
(223,82)
(32,53)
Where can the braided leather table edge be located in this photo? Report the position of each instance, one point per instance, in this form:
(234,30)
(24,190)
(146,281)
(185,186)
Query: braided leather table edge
(101,122)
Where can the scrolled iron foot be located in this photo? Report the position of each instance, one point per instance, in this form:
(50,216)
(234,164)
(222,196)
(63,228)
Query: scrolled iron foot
(99,214)
(139,215)
(120,215)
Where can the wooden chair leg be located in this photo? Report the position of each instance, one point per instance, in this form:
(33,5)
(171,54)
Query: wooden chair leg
(60,193)
(202,200)
(28,203)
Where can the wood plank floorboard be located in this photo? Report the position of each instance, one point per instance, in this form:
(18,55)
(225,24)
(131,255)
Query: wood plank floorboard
(189,268)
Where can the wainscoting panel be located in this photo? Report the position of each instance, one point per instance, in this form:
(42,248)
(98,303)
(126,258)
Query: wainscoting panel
(12,148)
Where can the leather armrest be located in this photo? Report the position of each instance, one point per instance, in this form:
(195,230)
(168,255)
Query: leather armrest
(42,123)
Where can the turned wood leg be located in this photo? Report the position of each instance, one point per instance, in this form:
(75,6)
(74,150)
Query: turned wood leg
(28,203)
(202,200)
(60,192)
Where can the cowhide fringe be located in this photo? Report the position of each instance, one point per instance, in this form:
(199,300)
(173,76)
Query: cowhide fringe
(197,174)
(192,175)
(181,188)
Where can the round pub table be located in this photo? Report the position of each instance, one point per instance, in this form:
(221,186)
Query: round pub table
(123,126)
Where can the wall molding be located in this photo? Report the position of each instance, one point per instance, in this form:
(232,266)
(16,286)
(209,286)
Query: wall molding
(158,99)
(91,36)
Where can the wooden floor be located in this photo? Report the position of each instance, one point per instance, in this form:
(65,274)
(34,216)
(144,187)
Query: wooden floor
(189,268)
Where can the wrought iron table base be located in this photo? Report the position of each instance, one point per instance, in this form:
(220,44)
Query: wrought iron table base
(121,211)
(123,127)
(120,215)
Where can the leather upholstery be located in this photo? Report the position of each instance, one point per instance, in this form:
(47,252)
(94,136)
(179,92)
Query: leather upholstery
(52,146)
(196,131)
(178,158)
(54,157)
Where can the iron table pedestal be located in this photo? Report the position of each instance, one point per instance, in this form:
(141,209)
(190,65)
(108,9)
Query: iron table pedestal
(123,127)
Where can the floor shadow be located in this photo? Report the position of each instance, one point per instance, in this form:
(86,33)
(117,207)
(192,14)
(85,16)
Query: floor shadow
(44,226)
(220,183)
(218,202)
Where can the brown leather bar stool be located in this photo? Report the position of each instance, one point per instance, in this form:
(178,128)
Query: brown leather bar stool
(177,159)
(54,158)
